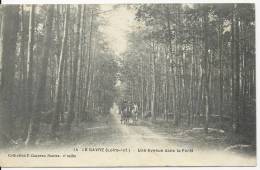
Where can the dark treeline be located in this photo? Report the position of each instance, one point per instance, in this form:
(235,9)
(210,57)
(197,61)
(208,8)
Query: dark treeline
(194,65)
(56,69)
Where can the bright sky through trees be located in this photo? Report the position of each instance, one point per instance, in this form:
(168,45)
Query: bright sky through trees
(120,21)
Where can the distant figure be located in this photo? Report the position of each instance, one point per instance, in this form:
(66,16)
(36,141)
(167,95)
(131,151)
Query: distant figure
(134,113)
(124,105)
(123,112)
(129,112)
(135,107)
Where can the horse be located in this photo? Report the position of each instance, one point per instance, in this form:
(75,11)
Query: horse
(128,113)
(124,116)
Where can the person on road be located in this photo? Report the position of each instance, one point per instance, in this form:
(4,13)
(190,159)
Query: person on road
(124,105)
(123,110)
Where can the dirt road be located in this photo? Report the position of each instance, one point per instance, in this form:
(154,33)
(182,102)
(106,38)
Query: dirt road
(136,135)
(149,147)
(113,144)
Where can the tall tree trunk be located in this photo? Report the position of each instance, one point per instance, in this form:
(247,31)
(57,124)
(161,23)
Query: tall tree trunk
(176,78)
(237,72)
(9,37)
(206,70)
(220,44)
(233,68)
(192,85)
(143,86)
(71,113)
(30,61)
(166,88)
(24,73)
(153,83)
(171,58)
(81,64)
(40,98)
(58,102)
(89,61)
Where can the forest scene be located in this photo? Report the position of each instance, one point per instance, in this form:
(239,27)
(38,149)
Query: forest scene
(133,74)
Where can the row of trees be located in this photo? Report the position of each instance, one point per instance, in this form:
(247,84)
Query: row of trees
(195,62)
(55,68)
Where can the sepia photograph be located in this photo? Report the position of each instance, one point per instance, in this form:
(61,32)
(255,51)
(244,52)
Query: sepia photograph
(127,85)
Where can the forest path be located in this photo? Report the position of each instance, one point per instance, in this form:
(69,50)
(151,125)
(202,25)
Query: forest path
(137,135)
(112,144)
(148,146)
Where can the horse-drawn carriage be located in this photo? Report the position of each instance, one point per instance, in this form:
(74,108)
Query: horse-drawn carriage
(129,114)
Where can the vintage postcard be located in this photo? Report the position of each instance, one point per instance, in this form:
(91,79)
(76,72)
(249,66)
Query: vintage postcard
(119,85)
